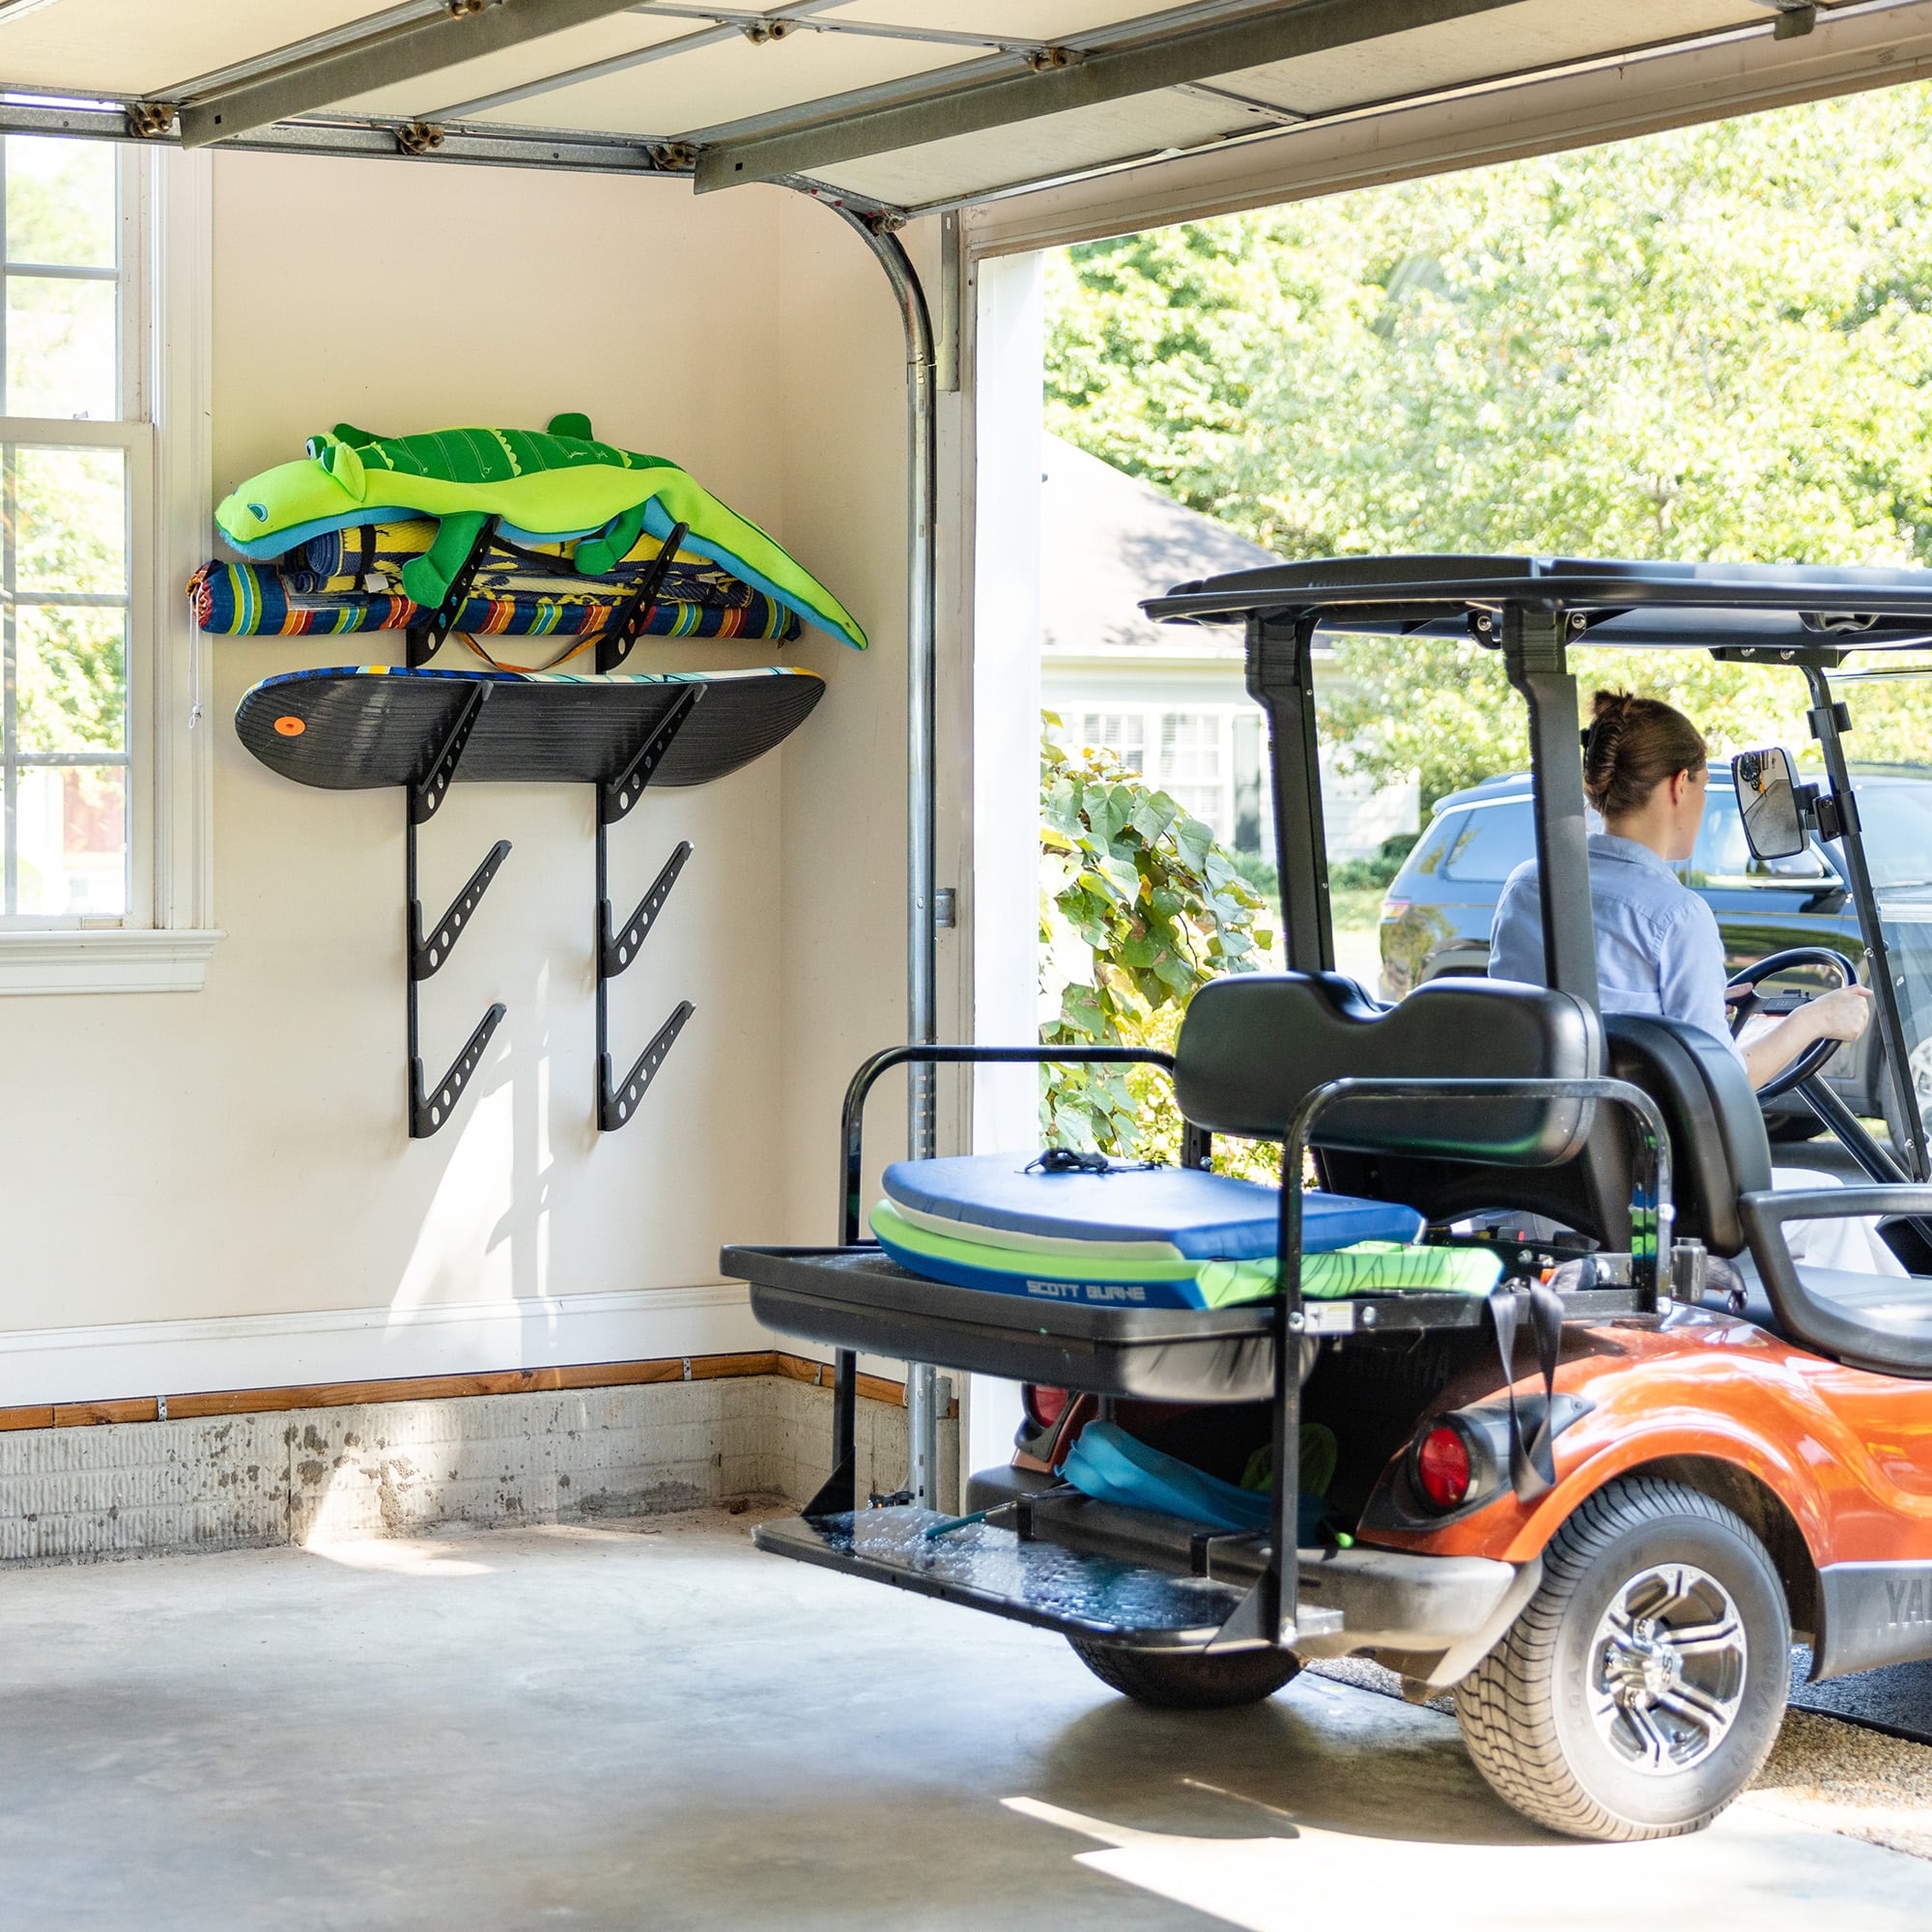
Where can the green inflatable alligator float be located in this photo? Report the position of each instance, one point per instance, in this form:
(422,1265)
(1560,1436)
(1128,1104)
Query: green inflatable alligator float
(547,487)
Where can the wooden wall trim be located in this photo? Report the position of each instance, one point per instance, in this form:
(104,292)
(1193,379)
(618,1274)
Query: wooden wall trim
(438,1388)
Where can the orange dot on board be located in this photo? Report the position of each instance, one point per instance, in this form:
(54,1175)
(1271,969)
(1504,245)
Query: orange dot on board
(290,727)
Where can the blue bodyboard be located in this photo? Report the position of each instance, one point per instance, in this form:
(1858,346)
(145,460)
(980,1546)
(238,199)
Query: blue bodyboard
(1206,1216)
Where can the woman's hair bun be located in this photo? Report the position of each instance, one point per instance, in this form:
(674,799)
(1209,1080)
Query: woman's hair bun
(1634,745)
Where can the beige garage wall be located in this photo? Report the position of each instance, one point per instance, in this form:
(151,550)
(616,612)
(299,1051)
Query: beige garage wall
(241,1153)
(843,931)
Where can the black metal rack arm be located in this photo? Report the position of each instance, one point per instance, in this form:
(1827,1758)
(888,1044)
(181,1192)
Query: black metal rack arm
(1829,721)
(616,797)
(422,641)
(619,950)
(430,1109)
(839,1493)
(629,619)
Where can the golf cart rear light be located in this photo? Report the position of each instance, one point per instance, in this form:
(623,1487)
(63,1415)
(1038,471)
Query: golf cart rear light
(1044,1406)
(1442,1472)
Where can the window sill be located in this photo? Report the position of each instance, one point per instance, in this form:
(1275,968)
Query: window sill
(116,961)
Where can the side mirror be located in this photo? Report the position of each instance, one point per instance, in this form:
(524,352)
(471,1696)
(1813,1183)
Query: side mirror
(1768,802)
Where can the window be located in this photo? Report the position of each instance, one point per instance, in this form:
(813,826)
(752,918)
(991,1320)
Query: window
(1489,844)
(1194,766)
(104,496)
(1897,820)
(65,537)
(1188,754)
(1122,732)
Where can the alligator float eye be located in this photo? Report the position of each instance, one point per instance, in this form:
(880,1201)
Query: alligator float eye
(259,511)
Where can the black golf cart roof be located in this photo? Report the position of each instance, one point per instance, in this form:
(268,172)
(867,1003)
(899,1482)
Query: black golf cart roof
(1790,612)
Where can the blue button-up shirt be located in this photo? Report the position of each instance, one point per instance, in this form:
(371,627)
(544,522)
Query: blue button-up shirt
(1657,946)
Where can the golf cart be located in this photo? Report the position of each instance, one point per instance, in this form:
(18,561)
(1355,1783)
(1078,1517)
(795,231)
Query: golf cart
(1597,1498)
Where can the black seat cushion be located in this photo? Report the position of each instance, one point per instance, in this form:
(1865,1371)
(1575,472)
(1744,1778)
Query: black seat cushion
(1254,1047)
(1718,1143)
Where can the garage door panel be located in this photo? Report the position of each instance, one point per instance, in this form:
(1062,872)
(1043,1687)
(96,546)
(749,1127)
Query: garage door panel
(1000,19)
(538,60)
(1087,138)
(725,82)
(149,47)
(1540,33)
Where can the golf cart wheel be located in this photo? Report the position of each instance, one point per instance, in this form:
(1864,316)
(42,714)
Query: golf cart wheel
(1642,1685)
(1187,1680)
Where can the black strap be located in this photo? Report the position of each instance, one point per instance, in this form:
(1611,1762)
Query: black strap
(1074,1160)
(1066,1161)
(1532,1465)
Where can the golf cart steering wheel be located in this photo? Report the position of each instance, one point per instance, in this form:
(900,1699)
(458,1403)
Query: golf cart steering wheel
(1769,967)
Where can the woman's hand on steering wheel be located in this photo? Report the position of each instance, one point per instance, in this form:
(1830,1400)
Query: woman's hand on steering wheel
(1827,1020)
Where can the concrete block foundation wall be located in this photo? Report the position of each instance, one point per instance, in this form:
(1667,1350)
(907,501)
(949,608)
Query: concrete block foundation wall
(398,1468)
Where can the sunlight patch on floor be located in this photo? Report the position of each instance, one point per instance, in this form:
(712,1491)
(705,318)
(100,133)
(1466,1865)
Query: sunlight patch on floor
(394,1557)
(1740,1872)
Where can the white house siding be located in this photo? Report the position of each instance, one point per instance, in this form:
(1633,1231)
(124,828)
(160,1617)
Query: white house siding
(1172,701)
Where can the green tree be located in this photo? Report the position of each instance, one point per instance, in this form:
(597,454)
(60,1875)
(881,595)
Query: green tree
(1714,342)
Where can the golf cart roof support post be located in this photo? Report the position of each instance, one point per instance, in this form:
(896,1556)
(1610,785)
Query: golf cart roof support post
(1281,680)
(1536,662)
(1851,844)
(922,785)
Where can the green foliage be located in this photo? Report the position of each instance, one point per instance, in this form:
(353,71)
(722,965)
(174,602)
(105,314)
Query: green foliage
(1712,343)
(1139,907)
(1373,874)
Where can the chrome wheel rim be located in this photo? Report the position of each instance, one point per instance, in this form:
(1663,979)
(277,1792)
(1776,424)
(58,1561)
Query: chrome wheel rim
(1667,1669)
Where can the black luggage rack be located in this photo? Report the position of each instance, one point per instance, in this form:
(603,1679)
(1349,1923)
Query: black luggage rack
(1069,1563)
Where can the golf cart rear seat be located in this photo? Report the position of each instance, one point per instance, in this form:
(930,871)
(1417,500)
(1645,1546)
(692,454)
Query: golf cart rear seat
(1254,1047)
(1252,1050)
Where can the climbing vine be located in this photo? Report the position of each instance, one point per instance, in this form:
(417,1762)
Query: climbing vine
(1139,908)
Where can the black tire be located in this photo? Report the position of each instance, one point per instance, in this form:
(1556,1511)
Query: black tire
(1187,1680)
(1526,1709)
(1785,1129)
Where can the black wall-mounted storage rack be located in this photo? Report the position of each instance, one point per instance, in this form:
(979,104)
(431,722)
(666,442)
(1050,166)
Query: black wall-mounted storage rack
(421,729)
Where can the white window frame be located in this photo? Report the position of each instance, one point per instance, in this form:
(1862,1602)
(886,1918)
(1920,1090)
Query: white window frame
(164,942)
(1153,714)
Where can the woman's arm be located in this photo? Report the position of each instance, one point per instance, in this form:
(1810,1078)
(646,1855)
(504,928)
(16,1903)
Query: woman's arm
(1840,1015)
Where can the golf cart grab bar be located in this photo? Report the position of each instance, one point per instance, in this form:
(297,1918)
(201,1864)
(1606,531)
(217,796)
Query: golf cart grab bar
(1269,1610)
(1813,1317)
(1771,1208)
(1650,1240)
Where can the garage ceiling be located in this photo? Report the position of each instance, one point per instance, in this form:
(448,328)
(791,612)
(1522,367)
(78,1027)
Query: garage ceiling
(902,105)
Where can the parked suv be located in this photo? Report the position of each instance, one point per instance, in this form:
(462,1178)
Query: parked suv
(1435,918)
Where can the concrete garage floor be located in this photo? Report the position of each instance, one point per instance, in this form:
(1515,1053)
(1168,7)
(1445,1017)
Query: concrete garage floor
(651,1725)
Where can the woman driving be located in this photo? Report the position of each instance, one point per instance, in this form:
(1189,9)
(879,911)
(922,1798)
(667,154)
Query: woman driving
(1646,770)
(1659,950)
